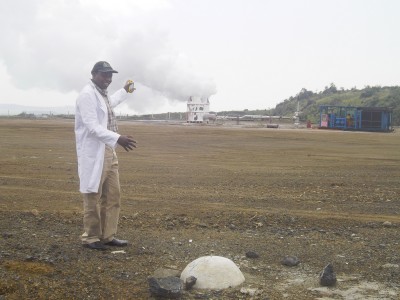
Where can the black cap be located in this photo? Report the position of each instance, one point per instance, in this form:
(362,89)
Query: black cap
(103,66)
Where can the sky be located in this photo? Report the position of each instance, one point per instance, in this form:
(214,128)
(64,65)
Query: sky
(241,54)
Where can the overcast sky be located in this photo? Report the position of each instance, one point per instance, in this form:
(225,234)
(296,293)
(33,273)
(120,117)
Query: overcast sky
(242,54)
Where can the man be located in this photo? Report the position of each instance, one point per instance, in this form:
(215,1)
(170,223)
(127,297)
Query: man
(96,139)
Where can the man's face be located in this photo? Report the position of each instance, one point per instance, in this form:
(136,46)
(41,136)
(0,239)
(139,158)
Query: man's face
(102,79)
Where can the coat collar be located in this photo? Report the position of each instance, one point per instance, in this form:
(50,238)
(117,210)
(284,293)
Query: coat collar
(99,97)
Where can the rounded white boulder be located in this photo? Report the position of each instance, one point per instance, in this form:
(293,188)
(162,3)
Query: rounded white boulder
(213,272)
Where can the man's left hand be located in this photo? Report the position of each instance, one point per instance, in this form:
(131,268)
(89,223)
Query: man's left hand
(127,142)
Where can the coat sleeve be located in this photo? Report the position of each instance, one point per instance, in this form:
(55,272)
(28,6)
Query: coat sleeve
(88,107)
(118,97)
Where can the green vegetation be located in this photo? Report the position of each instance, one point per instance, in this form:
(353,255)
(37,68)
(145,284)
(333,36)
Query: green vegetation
(309,102)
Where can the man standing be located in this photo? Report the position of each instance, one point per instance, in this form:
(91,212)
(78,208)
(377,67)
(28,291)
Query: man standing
(96,139)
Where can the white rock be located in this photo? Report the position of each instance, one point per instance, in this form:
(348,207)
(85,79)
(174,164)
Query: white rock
(213,272)
(249,291)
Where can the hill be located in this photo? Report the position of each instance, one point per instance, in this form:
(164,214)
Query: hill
(309,102)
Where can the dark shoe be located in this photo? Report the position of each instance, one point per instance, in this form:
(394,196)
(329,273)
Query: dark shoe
(117,243)
(95,246)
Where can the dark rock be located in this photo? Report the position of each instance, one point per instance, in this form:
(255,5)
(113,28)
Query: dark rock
(167,287)
(290,261)
(64,258)
(29,258)
(327,276)
(7,235)
(190,282)
(252,254)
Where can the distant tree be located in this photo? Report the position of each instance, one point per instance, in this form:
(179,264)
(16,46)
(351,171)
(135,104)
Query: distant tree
(330,90)
(304,94)
(369,91)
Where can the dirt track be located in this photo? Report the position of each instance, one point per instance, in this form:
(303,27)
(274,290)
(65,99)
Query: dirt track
(192,190)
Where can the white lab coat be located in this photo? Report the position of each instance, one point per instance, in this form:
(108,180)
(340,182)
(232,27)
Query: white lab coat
(91,134)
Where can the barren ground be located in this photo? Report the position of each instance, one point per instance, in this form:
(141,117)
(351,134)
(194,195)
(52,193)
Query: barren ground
(192,190)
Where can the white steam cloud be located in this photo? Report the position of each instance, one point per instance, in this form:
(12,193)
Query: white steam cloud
(53,44)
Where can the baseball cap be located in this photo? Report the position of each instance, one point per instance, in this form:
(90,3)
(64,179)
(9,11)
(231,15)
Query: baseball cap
(103,66)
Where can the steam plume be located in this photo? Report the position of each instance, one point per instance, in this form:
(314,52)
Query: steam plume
(53,44)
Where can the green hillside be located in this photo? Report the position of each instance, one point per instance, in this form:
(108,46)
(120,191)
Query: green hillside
(309,101)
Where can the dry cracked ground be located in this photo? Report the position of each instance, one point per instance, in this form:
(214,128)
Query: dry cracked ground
(195,190)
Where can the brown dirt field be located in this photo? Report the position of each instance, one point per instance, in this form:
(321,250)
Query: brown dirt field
(195,190)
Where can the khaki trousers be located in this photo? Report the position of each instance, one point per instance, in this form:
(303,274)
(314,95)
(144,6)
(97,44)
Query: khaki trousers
(101,209)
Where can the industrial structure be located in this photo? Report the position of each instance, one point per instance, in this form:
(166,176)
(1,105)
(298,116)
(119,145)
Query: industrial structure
(356,118)
(198,110)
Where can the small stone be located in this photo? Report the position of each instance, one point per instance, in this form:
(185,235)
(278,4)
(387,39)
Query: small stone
(388,266)
(35,212)
(290,261)
(190,282)
(29,258)
(327,276)
(252,254)
(118,252)
(168,287)
(387,224)
(249,291)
